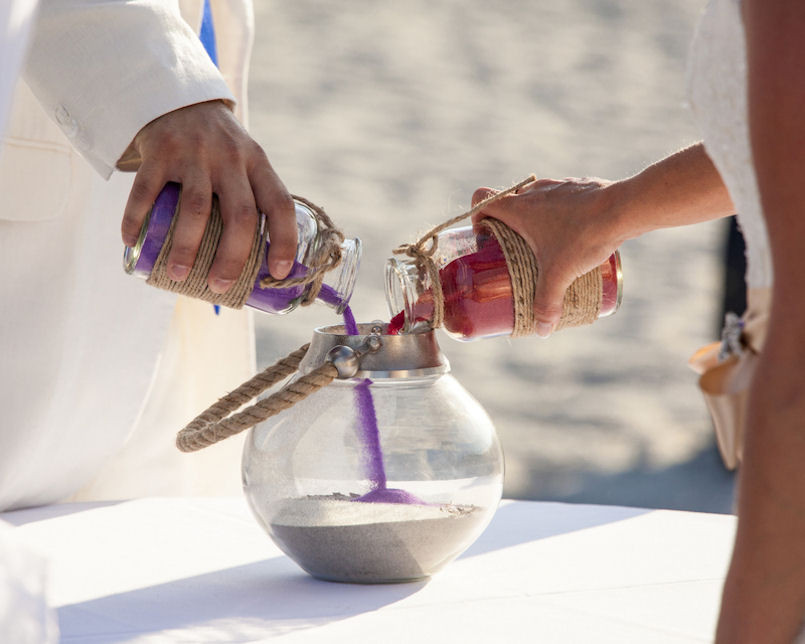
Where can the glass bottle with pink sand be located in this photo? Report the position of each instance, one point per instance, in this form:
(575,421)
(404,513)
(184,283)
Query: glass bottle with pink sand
(476,286)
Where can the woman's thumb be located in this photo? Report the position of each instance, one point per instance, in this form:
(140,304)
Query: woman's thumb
(549,297)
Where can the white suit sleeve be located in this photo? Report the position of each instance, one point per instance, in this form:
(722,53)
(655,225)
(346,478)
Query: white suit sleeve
(234,28)
(103,70)
(16,17)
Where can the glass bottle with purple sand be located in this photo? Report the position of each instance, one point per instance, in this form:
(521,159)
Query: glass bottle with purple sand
(338,285)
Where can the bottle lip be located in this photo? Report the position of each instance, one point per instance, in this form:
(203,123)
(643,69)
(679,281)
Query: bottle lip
(341,279)
(400,294)
(619,277)
(131,254)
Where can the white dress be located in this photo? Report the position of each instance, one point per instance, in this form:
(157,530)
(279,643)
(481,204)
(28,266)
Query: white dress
(718,96)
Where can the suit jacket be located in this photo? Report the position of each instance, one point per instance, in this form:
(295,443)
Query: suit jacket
(95,360)
(16,17)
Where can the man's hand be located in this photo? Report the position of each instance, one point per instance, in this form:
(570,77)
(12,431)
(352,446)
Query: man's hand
(204,148)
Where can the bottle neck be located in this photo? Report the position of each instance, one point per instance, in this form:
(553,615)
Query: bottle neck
(338,285)
(408,285)
(404,286)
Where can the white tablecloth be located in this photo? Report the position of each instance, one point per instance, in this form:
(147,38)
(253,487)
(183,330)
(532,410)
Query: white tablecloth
(202,570)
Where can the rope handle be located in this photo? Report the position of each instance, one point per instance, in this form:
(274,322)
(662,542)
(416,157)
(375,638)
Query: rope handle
(215,423)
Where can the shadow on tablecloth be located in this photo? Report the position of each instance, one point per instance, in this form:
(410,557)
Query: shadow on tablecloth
(42,513)
(264,598)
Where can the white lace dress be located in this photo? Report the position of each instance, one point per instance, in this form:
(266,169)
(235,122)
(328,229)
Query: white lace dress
(718,95)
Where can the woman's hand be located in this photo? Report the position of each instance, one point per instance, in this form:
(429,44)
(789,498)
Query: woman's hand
(569,225)
(573,225)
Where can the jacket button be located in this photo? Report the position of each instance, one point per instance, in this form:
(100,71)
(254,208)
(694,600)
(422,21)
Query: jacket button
(67,122)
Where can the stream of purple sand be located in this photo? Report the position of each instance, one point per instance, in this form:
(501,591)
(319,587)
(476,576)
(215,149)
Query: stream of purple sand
(370,434)
(278,300)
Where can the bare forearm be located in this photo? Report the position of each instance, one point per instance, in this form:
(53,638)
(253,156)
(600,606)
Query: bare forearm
(683,188)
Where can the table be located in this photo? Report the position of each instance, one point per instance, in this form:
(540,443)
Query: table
(202,570)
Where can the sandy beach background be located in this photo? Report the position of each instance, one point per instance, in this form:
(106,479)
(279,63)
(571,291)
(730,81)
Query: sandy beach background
(390,114)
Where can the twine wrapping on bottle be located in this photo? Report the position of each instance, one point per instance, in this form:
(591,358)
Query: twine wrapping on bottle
(215,423)
(582,301)
(327,255)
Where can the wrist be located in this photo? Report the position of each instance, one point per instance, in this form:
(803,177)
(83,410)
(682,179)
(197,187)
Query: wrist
(620,214)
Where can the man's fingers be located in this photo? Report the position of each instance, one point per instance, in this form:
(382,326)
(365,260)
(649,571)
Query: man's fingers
(278,207)
(208,151)
(194,213)
(148,182)
(240,216)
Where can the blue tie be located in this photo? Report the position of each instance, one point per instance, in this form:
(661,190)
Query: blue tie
(207,36)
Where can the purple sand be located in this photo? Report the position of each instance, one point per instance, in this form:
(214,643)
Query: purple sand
(275,300)
(349,321)
(269,300)
(158,224)
(370,434)
(328,295)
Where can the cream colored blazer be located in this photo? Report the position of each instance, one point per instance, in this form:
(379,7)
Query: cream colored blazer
(99,370)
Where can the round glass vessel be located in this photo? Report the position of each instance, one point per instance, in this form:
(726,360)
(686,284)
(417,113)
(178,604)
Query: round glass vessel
(476,286)
(383,477)
(338,285)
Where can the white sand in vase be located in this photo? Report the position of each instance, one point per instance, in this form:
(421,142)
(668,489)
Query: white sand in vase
(338,539)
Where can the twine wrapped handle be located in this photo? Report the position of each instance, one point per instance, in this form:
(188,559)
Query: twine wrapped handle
(582,301)
(422,251)
(215,424)
(327,256)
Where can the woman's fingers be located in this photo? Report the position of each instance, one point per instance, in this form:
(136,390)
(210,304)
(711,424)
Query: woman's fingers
(533,214)
(549,297)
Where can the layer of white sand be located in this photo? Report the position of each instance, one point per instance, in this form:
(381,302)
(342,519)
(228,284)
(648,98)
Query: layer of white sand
(391,114)
(329,511)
